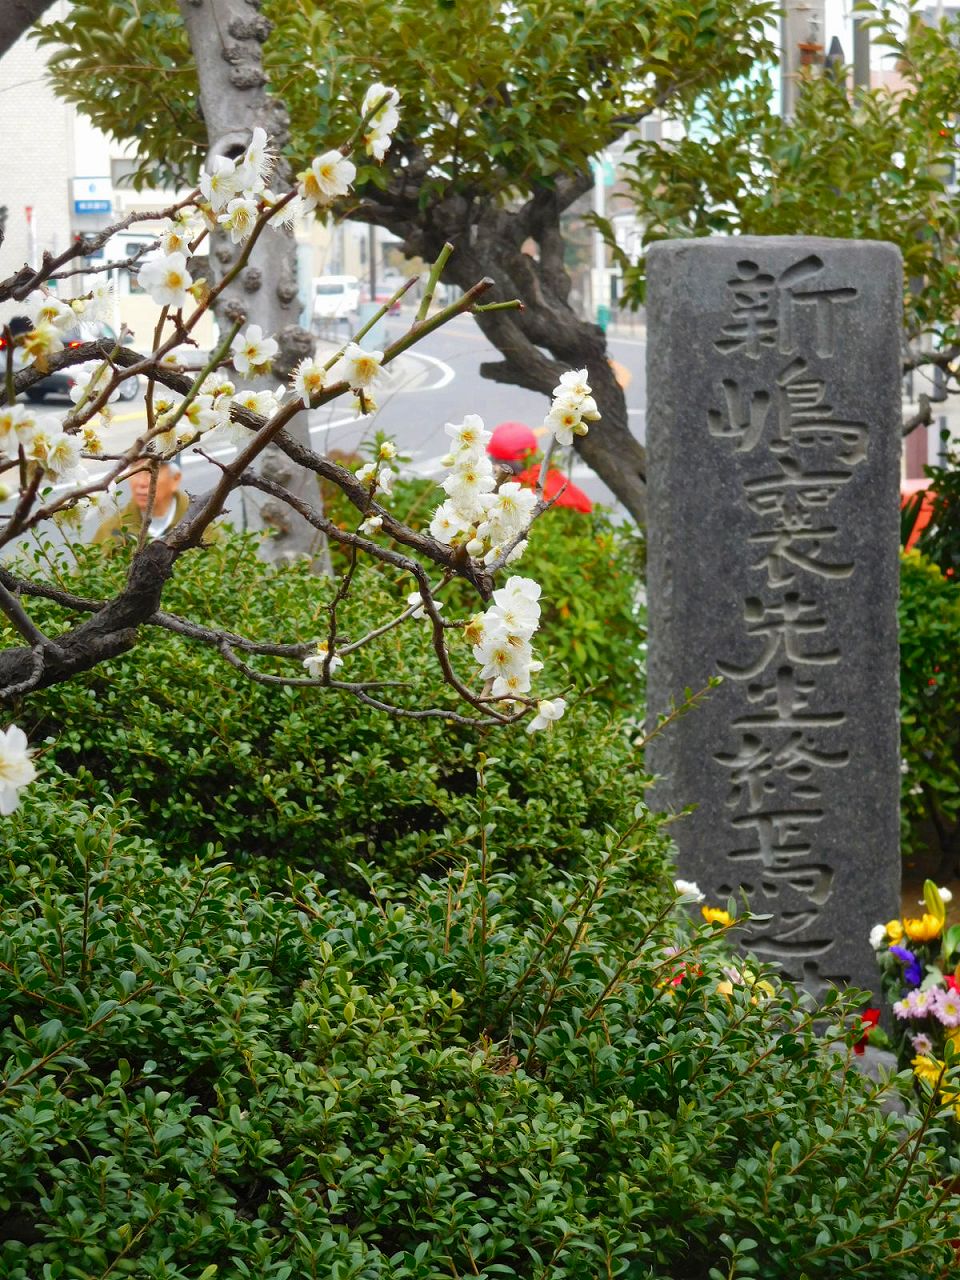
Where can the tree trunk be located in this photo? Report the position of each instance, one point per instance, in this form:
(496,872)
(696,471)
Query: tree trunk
(547,337)
(226,37)
(16,17)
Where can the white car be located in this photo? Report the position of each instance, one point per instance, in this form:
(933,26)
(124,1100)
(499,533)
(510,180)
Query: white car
(335,298)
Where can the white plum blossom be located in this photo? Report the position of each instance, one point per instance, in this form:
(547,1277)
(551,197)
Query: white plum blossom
(688,889)
(101,302)
(313,662)
(358,368)
(221,183)
(16,768)
(37,444)
(204,413)
(328,177)
(574,384)
(256,164)
(467,483)
(62,461)
(264,402)
(285,216)
(573,407)
(501,645)
(309,379)
(516,607)
(45,308)
(89,380)
(372,524)
(508,513)
(253,353)
(447,523)
(379,128)
(501,654)
(176,234)
(239,218)
(105,503)
(488,522)
(549,711)
(17,424)
(92,440)
(43,340)
(564,421)
(216,383)
(166,278)
(363,403)
(467,435)
(416,599)
(511,686)
(377,475)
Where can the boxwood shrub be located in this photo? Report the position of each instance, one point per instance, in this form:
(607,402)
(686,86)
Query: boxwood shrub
(313,777)
(450,1079)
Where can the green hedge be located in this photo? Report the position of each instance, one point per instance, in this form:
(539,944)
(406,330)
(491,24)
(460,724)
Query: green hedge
(205,1080)
(930,710)
(312,777)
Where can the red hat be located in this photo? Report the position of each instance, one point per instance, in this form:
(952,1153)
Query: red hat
(510,441)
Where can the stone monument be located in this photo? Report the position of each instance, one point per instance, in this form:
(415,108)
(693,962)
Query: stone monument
(773,438)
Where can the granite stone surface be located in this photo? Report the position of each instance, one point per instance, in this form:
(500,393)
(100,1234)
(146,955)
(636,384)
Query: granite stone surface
(773,436)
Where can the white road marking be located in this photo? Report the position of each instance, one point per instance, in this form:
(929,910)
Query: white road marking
(447,374)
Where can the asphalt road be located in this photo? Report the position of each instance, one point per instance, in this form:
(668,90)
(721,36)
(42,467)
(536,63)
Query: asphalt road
(439,382)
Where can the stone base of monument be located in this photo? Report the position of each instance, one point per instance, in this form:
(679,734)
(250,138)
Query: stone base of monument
(878,1064)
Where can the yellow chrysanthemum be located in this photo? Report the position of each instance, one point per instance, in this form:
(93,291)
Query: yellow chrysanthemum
(715,915)
(922,929)
(894,931)
(927,1069)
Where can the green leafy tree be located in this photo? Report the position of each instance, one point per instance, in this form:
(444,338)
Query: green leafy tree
(503,105)
(869,164)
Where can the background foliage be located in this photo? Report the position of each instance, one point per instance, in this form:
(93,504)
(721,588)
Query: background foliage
(503,96)
(865,165)
(930,710)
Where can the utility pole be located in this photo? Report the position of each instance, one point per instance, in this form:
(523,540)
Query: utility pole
(861,54)
(801,35)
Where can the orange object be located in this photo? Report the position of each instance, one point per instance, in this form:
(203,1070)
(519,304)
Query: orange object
(555,481)
(907,490)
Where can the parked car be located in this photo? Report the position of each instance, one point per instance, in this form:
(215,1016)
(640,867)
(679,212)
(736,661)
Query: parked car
(386,287)
(59,383)
(334,298)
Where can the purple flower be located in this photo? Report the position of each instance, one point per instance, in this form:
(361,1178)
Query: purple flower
(912,968)
(922,1044)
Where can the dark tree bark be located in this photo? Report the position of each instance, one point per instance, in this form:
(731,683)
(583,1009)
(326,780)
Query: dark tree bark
(16,17)
(547,337)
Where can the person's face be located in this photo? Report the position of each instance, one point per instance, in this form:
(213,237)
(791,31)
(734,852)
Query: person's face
(168,482)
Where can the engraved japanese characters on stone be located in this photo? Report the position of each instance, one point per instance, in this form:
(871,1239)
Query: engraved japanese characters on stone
(763,308)
(796,441)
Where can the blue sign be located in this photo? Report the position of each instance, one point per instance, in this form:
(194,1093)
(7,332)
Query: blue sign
(92,206)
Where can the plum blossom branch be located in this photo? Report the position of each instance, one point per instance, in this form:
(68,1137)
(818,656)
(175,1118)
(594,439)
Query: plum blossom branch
(481,527)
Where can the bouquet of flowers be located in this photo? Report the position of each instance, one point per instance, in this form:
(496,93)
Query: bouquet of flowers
(919,958)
